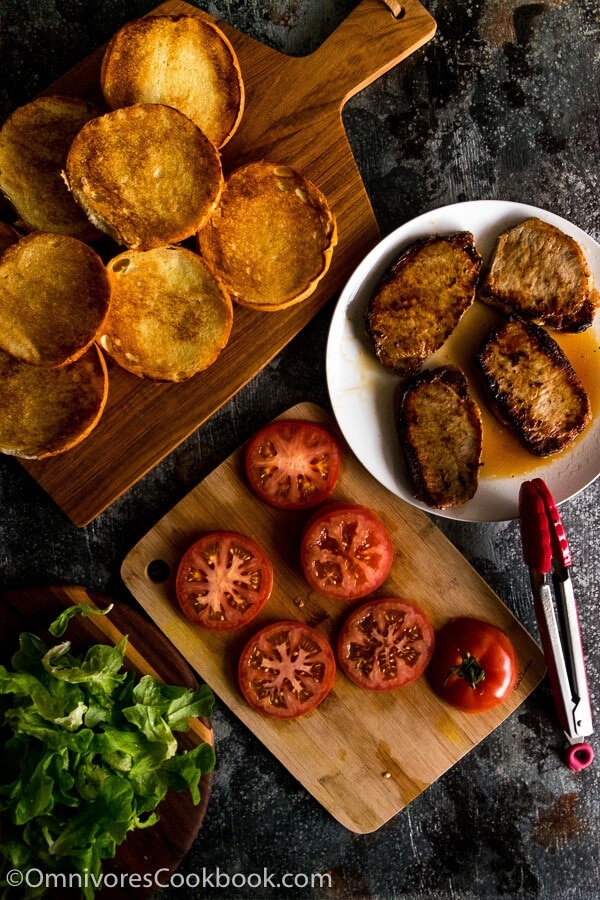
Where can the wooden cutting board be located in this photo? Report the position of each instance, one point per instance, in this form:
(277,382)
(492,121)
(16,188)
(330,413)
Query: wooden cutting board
(148,652)
(364,756)
(293,115)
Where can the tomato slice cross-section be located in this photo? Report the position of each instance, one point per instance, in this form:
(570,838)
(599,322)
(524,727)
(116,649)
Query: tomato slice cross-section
(223,580)
(292,463)
(286,669)
(346,551)
(385,644)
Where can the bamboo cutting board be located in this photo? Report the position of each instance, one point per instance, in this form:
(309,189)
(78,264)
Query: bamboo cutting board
(364,756)
(163,846)
(292,115)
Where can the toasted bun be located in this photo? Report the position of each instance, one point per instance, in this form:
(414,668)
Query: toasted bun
(54,296)
(48,411)
(8,236)
(34,142)
(180,61)
(539,272)
(169,318)
(271,237)
(146,175)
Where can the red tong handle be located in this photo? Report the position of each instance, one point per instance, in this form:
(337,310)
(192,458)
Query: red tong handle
(542,533)
(535,534)
(558,538)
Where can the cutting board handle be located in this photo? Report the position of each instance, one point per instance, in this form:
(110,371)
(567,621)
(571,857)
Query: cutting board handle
(369,42)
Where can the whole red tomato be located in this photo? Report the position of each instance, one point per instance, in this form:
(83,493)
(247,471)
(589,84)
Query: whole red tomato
(474,665)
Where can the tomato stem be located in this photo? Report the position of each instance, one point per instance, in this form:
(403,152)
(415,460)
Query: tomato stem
(469,669)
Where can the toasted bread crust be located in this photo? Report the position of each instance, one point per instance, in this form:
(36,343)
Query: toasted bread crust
(421,300)
(34,142)
(539,272)
(533,387)
(54,297)
(49,411)
(181,61)
(170,316)
(271,238)
(440,433)
(146,175)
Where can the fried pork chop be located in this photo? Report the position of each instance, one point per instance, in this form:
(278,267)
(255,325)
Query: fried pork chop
(539,272)
(421,300)
(440,433)
(533,386)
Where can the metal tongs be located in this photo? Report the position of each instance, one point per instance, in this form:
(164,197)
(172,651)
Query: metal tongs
(546,552)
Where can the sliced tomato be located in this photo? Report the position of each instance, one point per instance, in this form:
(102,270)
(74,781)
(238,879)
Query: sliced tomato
(224,579)
(286,670)
(346,551)
(385,644)
(474,666)
(292,463)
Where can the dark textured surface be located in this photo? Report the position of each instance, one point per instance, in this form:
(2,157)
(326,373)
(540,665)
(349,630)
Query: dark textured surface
(504,103)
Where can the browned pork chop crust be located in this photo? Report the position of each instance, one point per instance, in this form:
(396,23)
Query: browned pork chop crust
(539,272)
(533,386)
(421,300)
(440,432)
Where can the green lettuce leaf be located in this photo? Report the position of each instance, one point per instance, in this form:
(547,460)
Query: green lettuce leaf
(87,752)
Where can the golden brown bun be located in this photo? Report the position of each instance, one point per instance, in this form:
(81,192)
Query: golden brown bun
(146,175)
(48,411)
(180,61)
(271,237)
(34,142)
(54,296)
(169,318)
(8,236)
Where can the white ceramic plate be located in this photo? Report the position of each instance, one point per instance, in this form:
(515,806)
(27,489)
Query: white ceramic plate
(362,391)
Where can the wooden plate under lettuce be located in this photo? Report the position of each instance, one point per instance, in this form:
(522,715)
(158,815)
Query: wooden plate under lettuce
(163,846)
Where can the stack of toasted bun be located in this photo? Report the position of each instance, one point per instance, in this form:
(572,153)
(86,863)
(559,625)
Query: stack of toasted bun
(170,315)
(47,411)
(139,175)
(54,298)
(34,142)
(180,61)
(539,280)
(271,237)
(145,174)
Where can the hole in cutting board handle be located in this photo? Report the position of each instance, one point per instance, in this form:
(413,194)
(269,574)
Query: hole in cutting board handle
(158,571)
(398,10)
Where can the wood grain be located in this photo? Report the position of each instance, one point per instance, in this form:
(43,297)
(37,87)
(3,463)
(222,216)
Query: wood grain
(363,756)
(148,653)
(293,115)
